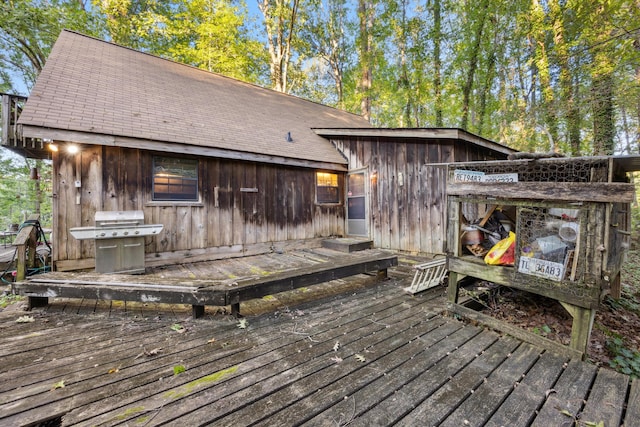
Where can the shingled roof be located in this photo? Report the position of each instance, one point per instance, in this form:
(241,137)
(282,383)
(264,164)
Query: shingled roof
(97,92)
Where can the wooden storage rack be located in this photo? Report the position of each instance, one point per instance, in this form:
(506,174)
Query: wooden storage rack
(596,194)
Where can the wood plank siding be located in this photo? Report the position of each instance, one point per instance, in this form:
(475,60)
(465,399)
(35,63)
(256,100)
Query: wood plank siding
(242,205)
(407,186)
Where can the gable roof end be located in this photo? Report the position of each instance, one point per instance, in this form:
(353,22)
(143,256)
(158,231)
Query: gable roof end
(97,92)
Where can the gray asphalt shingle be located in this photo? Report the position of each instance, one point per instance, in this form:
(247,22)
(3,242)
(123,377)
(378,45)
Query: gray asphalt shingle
(92,86)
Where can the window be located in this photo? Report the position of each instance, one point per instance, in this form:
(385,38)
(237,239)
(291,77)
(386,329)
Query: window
(327,189)
(175,179)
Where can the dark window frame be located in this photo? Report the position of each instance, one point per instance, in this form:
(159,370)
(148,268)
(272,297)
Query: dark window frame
(328,194)
(174,179)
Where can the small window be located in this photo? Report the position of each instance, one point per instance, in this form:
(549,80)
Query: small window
(175,179)
(327,189)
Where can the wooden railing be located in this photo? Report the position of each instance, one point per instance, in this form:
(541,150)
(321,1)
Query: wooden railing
(26,244)
(11,132)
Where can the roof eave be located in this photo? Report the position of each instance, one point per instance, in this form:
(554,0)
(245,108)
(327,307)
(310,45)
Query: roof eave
(171,147)
(420,133)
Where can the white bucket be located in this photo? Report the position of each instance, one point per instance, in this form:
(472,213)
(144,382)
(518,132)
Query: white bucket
(569,231)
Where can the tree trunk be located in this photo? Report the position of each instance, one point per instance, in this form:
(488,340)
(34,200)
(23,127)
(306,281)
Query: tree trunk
(365,46)
(473,65)
(437,62)
(280,26)
(571,112)
(543,73)
(602,83)
(602,107)
(404,83)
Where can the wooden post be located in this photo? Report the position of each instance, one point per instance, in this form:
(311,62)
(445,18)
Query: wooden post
(26,247)
(452,287)
(34,302)
(453,248)
(581,327)
(197,311)
(235,310)
(21,269)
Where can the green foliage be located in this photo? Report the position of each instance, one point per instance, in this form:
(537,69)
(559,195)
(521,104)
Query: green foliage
(138,24)
(28,29)
(543,331)
(8,299)
(19,195)
(625,360)
(213,36)
(532,75)
(635,221)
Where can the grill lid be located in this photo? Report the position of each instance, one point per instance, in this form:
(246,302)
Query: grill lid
(117,224)
(109,217)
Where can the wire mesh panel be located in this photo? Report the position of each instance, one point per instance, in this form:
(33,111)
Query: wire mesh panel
(543,170)
(552,246)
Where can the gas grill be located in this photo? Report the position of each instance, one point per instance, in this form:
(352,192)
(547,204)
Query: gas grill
(119,237)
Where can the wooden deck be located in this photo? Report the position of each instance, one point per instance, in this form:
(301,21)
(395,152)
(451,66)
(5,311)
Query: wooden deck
(370,354)
(209,283)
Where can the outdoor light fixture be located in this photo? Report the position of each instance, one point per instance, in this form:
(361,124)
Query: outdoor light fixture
(52,147)
(72,149)
(289,139)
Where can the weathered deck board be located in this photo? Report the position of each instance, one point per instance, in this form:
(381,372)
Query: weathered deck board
(311,372)
(51,364)
(163,364)
(192,284)
(633,403)
(419,367)
(415,409)
(608,395)
(494,389)
(529,393)
(567,395)
(342,401)
(267,365)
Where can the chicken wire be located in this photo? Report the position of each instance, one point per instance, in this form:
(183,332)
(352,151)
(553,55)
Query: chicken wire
(551,245)
(543,170)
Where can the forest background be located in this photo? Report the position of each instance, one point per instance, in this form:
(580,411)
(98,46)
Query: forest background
(536,75)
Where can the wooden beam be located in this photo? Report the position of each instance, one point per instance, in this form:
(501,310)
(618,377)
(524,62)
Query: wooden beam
(581,327)
(173,147)
(110,292)
(505,275)
(420,134)
(555,191)
(5,124)
(633,403)
(25,243)
(514,331)
(309,276)
(203,292)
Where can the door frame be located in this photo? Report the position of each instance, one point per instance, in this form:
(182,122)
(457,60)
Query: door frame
(366,221)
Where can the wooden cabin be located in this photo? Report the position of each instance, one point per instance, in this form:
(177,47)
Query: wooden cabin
(404,172)
(228,168)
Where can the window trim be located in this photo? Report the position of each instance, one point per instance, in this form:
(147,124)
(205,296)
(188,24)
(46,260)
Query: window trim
(175,201)
(338,187)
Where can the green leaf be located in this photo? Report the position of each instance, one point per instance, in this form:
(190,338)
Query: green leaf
(178,369)
(178,328)
(59,384)
(567,413)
